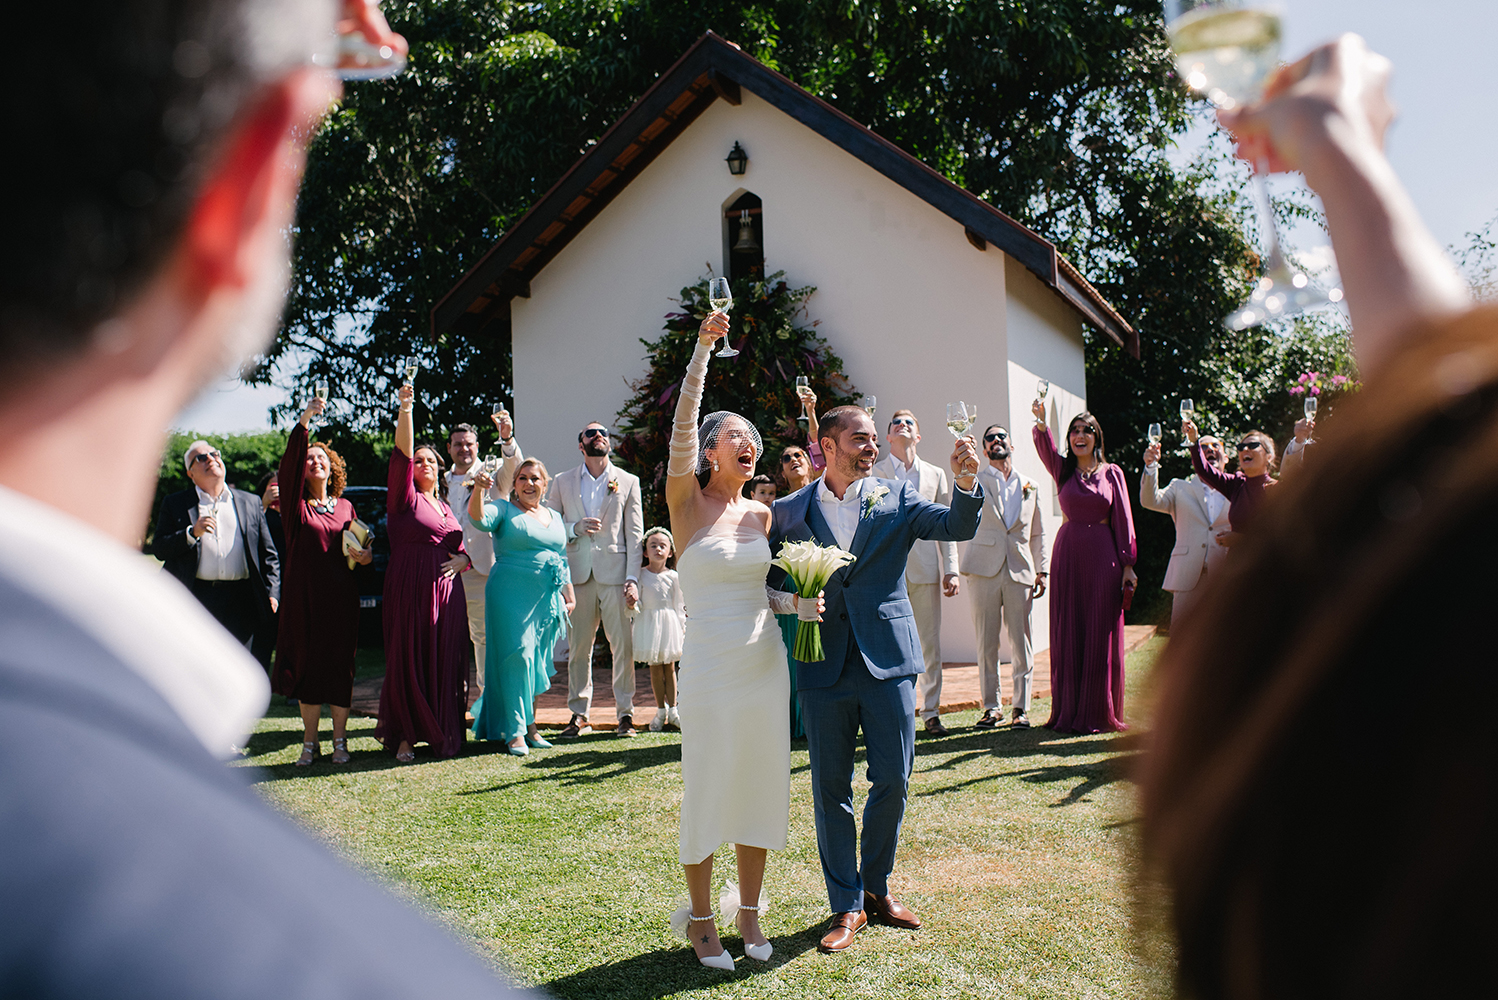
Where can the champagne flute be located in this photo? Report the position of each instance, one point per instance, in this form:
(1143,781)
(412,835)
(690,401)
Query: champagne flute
(1225,50)
(1042,387)
(802,382)
(320,390)
(1154,434)
(499,409)
(1188,410)
(720,297)
(868,403)
(411,369)
(960,417)
(1310,407)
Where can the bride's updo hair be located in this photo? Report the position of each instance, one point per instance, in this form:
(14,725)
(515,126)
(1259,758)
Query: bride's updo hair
(714,425)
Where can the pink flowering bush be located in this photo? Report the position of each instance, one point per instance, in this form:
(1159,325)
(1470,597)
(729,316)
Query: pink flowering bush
(1316,384)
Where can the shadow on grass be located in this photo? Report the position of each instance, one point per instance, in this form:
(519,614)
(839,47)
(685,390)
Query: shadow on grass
(584,765)
(669,971)
(1089,775)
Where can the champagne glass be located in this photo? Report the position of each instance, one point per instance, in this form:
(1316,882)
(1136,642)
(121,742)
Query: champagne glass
(1188,410)
(1310,407)
(411,369)
(1225,50)
(720,297)
(802,382)
(960,416)
(499,409)
(868,403)
(320,390)
(1042,387)
(355,57)
(1154,434)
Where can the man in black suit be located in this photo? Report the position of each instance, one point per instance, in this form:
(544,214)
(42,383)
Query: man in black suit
(215,540)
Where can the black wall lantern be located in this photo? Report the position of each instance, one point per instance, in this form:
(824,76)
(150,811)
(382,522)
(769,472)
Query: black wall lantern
(738,160)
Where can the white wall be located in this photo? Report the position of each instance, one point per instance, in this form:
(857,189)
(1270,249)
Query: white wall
(918,315)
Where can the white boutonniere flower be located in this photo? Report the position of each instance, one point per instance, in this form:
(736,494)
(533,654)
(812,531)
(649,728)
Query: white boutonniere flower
(871,500)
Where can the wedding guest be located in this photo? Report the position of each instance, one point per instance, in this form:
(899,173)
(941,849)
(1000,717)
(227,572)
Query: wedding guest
(601,509)
(214,540)
(1298,849)
(136,864)
(796,468)
(319,617)
(660,628)
(1298,446)
(263,643)
(761,488)
(813,436)
(463,449)
(1006,570)
(1201,519)
(425,614)
(1244,489)
(931,567)
(1092,565)
(530,598)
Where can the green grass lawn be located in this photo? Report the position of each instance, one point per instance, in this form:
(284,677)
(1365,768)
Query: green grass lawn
(561,866)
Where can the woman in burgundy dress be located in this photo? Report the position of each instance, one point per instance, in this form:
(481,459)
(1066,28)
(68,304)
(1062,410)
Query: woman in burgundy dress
(1245,489)
(425,614)
(1092,562)
(318,632)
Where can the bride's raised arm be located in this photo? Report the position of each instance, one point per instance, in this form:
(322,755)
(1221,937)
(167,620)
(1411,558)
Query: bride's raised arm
(681,472)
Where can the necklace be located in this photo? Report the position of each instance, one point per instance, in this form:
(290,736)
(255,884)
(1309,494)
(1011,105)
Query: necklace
(323,506)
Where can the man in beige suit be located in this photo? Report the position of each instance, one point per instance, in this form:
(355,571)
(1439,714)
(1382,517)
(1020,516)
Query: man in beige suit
(1005,565)
(931,569)
(600,508)
(1200,514)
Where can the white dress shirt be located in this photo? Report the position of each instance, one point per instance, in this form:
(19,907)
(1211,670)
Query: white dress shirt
(1213,501)
(141,615)
(842,515)
(594,491)
(221,554)
(1011,495)
(905,473)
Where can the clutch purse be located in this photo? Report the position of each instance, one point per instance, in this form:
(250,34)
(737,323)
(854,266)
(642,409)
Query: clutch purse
(355,536)
(1128,596)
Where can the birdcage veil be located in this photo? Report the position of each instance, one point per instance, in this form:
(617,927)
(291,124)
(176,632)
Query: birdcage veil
(719,422)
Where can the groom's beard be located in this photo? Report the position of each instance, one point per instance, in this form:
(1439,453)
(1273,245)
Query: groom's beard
(847,465)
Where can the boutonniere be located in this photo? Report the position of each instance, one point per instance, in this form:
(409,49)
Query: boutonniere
(613,486)
(1027,491)
(871,499)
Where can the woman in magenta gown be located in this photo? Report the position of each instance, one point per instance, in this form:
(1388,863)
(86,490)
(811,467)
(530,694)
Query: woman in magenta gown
(425,614)
(318,631)
(1092,561)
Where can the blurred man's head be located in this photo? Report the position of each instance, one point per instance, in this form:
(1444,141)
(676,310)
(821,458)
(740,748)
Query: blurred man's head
(147,126)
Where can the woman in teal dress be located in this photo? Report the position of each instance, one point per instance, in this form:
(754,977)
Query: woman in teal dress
(526,604)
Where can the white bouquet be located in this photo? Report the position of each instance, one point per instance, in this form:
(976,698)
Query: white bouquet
(810,565)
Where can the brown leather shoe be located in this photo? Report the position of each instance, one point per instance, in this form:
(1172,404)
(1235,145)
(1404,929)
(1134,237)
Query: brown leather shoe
(935,728)
(891,911)
(577,727)
(839,936)
(626,726)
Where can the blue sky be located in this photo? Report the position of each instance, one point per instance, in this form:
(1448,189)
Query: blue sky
(1444,146)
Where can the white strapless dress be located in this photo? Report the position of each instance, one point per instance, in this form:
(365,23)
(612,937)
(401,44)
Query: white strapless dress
(735,690)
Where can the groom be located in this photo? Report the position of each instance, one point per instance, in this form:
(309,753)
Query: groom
(873,655)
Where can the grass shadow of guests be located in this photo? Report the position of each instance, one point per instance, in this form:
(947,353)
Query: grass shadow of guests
(669,971)
(586,766)
(1090,775)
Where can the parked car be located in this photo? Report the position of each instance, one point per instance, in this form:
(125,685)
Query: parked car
(369,502)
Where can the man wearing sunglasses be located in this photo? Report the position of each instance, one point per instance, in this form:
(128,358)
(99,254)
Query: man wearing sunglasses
(931,568)
(1201,518)
(601,510)
(215,540)
(1005,565)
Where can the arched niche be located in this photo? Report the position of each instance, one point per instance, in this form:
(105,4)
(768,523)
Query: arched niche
(741,263)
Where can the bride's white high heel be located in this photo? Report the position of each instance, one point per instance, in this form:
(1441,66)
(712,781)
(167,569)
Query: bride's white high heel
(681,922)
(758,952)
(729,903)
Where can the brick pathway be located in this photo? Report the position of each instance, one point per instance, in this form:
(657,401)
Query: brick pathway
(959,689)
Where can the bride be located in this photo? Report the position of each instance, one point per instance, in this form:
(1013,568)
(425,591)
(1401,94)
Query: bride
(735,729)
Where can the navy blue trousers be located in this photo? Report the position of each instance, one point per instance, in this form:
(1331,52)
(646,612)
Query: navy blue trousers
(885,711)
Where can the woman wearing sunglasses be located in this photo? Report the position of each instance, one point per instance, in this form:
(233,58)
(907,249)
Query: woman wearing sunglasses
(1244,488)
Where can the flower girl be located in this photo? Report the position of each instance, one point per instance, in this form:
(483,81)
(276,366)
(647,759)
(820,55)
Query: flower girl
(661,625)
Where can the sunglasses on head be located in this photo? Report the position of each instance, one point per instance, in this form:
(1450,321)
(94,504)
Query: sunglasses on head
(204,456)
(595,432)
(1250,445)
(996,436)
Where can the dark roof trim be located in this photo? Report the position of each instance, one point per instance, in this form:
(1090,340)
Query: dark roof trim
(710,69)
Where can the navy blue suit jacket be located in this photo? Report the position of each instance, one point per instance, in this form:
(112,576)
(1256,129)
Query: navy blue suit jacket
(867,599)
